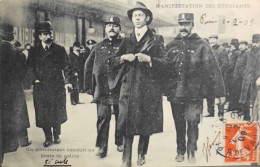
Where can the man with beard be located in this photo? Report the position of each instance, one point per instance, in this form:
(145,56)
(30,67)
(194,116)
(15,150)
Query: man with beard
(141,60)
(13,112)
(238,74)
(191,79)
(251,74)
(220,54)
(98,81)
(75,59)
(234,52)
(49,62)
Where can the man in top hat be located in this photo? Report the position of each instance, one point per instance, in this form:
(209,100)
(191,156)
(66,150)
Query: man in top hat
(141,60)
(49,62)
(75,58)
(238,75)
(251,74)
(233,54)
(14,119)
(220,54)
(191,80)
(98,80)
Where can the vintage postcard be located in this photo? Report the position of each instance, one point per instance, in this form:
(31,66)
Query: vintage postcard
(178,126)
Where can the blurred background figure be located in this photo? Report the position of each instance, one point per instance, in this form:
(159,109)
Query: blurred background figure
(27,82)
(226,46)
(91,43)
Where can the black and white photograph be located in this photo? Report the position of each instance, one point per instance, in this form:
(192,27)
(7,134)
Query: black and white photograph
(129,83)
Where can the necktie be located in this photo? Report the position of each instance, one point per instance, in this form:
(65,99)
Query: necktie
(46,48)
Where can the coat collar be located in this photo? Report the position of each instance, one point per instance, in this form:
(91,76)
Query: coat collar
(146,36)
(192,36)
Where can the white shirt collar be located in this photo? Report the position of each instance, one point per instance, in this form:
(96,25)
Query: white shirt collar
(141,31)
(44,45)
(76,53)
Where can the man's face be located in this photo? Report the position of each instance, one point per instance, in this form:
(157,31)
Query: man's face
(46,37)
(139,18)
(112,30)
(256,44)
(75,48)
(213,41)
(232,47)
(185,28)
(242,46)
(28,47)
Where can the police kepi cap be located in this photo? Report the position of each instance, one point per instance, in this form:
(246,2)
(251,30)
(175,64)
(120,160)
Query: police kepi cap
(142,7)
(256,38)
(186,17)
(113,20)
(44,26)
(91,42)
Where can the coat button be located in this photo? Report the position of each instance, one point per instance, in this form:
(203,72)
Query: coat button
(108,61)
(109,51)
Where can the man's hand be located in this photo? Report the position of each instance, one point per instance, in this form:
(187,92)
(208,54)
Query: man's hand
(128,57)
(143,57)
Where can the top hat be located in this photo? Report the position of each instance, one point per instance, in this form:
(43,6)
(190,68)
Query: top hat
(186,17)
(256,38)
(76,43)
(113,20)
(44,26)
(214,36)
(91,42)
(142,7)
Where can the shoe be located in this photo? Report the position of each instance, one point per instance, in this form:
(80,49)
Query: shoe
(27,143)
(210,115)
(120,148)
(102,152)
(179,158)
(73,103)
(191,155)
(80,102)
(47,143)
(57,139)
(141,160)
(221,118)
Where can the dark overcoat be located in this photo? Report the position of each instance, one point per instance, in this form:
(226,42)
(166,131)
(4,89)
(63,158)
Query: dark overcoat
(14,115)
(98,73)
(75,68)
(140,101)
(221,56)
(252,72)
(49,94)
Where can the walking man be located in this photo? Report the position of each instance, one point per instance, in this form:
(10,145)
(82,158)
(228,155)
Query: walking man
(98,81)
(49,61)
(190,82)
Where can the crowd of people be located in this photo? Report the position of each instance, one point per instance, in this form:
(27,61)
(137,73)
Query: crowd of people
(128,76)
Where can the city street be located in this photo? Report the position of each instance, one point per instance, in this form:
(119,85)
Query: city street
(79,134)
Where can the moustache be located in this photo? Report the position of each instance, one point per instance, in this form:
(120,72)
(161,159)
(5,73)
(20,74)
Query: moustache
(49,40)
(112,31)
(184,30)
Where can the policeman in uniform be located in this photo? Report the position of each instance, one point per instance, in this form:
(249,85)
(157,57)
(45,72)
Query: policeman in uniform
(191,79)
(221,57)
(91,43)
(98,80)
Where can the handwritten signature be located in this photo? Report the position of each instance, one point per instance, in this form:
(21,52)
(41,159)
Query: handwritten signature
(56,162)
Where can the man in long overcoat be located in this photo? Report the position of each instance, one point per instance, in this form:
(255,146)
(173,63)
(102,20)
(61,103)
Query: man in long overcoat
(233,54)
(14,119)
(192,58)
(140,59)
(49,60)
(252,73)
(99,78)
(238,75)
(221,57)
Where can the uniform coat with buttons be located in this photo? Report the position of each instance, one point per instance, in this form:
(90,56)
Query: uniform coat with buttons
(49,94)
(192,58)
(140,102)
(252,72)
(98,73)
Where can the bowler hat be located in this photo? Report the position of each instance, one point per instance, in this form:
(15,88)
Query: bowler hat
(243,42)
(234,41)
(186,17)
(113,20)
(76,43)
(142,7)
(44,26)
(214,36)
(256,38)
(91,42)
(225,45)
(6,31)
